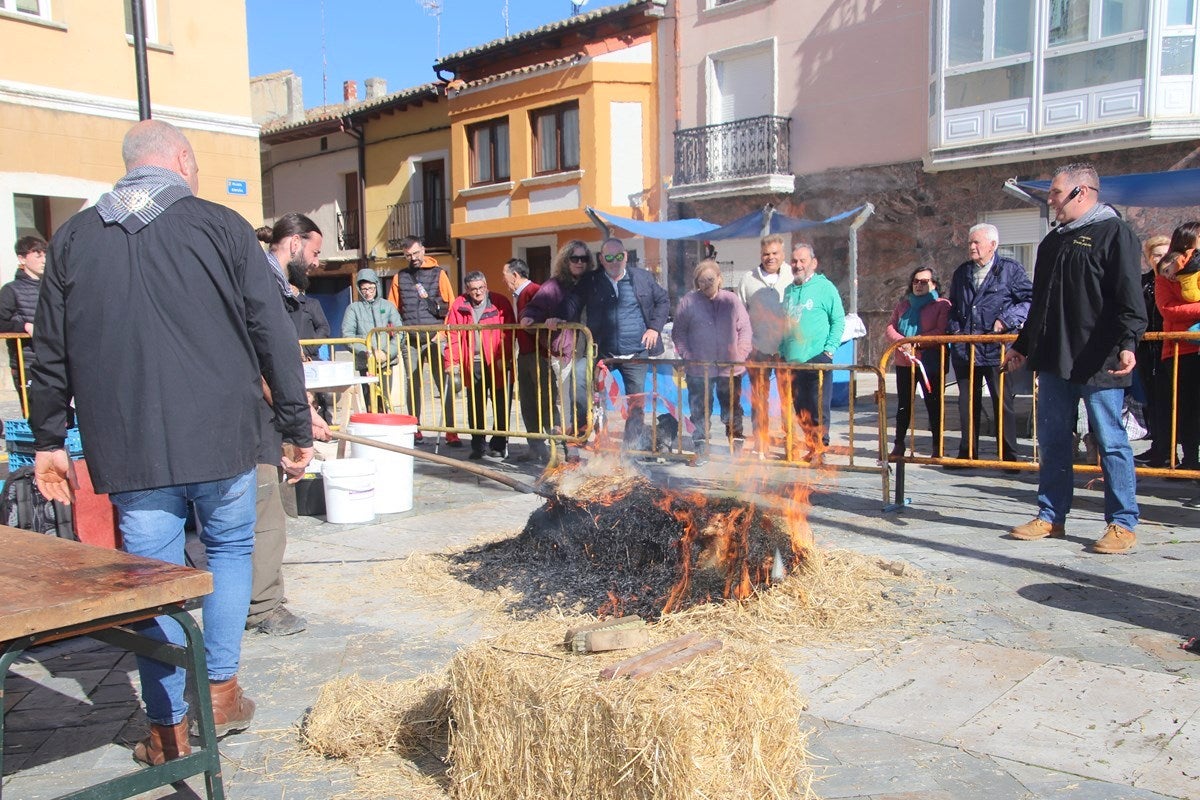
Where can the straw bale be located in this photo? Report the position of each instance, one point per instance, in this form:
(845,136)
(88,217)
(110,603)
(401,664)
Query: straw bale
(354,717)
(532,721)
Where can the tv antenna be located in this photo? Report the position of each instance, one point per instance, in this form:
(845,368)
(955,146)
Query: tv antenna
(324,62)
(434,9)
(576,5)
(504,13)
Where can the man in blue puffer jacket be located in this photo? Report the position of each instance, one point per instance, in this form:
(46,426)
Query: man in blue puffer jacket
(990,293)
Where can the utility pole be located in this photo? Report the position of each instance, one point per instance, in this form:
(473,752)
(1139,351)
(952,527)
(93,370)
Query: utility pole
(138,12)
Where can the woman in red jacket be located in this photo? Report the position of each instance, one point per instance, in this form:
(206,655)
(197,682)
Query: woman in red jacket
(921,312)
(1179,315)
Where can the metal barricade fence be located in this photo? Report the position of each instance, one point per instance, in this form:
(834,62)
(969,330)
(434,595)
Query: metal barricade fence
(937,345)
(328,399)
(22,382)
(463,379)
(789,437)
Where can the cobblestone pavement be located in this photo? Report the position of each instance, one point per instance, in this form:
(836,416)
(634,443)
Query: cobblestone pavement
(1049,672)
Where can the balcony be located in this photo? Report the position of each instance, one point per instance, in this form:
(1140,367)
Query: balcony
(747,156)
(424,219)
(347,229)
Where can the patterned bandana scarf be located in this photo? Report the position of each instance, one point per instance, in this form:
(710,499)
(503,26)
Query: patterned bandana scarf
(139,197)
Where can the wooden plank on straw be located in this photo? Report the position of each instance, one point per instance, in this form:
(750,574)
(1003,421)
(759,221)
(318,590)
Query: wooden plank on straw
(653,654)
(675,659)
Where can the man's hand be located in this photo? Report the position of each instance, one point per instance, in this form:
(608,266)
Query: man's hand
(320,428)
(294,460)
(553,322)
(381,357)
(649,339)
(998,327)
(55,475)
(1127,360)
(1013,361)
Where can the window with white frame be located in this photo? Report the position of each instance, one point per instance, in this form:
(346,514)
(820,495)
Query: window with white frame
(1094,43)
(1178,55)
(150,7)
(989,52)
(38,8)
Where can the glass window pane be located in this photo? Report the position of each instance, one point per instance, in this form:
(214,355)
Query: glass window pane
(1178,55)
(1180,12)
(989,86)
(1122,16)
(1124,62)
(29,6)
(966,32)
(570,138)
(1068,21)
(501,134)
(482,155)
(1014,26)
(546,143)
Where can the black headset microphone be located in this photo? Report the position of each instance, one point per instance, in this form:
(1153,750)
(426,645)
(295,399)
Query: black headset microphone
(1071,195)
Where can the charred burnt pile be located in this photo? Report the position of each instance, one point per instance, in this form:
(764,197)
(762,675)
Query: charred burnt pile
(626,546)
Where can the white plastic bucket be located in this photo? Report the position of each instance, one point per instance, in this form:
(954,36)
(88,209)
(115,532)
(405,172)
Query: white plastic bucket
(393,472)
(349,490)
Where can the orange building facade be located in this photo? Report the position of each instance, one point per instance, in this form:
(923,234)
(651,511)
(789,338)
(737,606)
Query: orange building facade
(547,123)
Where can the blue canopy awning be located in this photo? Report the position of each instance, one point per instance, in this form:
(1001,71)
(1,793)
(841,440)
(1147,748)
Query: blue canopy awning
(1171,189)
(747,227)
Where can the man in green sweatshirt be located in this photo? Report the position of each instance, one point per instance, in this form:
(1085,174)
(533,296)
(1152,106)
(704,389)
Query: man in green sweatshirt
(816,320)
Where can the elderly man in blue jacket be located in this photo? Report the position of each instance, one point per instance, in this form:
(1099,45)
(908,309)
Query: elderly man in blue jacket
(989,293)
(626,311)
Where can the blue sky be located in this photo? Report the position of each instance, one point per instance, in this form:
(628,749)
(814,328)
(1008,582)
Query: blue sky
(391,39)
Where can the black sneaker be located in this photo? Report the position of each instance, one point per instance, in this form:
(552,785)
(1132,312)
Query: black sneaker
(496,455)
(279,621)
(476,455)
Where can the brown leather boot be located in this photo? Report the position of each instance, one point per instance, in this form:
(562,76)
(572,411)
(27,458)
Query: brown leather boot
(165,742)
(232,710)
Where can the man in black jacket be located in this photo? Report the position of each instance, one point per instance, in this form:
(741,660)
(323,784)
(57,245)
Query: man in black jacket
(626,312)
(1084,323)
(18,302)
(159,316)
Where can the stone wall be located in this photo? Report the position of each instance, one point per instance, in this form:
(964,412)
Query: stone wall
(921,218)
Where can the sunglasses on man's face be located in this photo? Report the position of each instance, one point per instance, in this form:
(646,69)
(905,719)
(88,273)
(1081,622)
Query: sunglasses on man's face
(611,257)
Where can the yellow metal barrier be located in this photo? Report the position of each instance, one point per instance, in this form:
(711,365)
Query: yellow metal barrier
(938,456)
(21,382)
(791,440)
(433,374)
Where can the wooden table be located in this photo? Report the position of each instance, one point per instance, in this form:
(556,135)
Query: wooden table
(53,589)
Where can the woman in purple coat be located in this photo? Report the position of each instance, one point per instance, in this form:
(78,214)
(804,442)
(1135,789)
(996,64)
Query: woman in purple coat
(711,325)
(920,313)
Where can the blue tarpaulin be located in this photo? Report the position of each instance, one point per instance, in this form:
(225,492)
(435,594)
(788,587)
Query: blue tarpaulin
(747,227)
(1146,190)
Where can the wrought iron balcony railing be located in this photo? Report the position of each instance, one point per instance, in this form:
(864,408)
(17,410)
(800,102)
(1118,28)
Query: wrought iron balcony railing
(423,218)
(347,229)
(745,148)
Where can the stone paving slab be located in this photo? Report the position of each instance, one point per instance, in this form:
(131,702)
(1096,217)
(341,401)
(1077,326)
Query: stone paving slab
(1018,641)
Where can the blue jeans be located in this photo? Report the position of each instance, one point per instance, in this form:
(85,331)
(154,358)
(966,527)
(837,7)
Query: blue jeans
(152,525)
(1057,400)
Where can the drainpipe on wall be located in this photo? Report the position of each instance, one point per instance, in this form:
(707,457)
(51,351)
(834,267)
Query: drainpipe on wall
(137,11)
(359,135)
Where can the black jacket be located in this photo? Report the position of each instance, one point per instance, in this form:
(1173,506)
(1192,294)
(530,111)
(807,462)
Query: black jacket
(309,320)
(594,294)
(18,304)
(1087,302)
(163,338)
